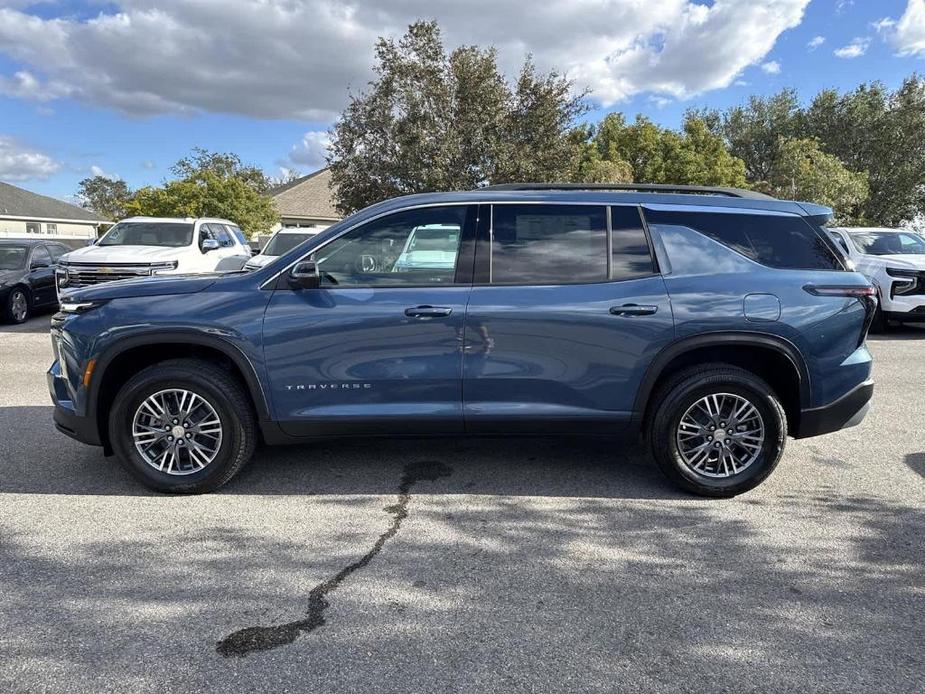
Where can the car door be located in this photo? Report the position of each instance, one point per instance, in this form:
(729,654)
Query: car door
(377,347)
(566,313)
(41,277)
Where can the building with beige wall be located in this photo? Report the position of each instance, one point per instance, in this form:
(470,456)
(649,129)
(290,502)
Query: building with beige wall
(306,202)
(27,214)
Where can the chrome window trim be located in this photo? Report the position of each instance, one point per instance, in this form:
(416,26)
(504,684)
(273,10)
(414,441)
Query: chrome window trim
(664,207)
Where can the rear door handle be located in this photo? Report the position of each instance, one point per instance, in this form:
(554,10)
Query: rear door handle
(428,312)
(633,310)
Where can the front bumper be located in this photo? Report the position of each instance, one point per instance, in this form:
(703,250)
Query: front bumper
(848,411)
(67,421)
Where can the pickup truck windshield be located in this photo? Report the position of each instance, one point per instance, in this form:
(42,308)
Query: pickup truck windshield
(12,257)
(889,243)
(283,243)
(168,234)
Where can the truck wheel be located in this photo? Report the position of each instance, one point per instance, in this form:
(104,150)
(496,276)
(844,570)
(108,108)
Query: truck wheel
(717,430)
(182,426)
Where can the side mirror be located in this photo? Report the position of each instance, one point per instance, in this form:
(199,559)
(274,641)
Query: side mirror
(39,264)
(305,275)
(255,251)
(209,245)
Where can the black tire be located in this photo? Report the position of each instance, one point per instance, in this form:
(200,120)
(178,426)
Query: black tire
(8,310)
(684,389)
(223,393)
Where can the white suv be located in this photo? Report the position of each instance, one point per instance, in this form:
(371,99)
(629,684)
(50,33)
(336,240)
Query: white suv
(142,246)
(894,261)
(281,242)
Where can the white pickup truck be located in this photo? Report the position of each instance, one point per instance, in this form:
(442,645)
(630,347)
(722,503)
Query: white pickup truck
(143,246)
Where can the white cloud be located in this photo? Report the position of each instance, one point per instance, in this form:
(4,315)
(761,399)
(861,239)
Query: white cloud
(816,42)
(311,150)
(908,34)
(97,171)
(18,163)
(855,49)
(772,67)
(298,58)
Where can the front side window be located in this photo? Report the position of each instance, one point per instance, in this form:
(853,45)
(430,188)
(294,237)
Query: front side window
(776,240)
(165,234)
(889,243)
(220,234)
(414,247)
(238,234)
(57,251)
(548,244)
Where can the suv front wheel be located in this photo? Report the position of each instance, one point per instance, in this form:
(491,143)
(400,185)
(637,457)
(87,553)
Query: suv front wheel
(182,426)
(717,430)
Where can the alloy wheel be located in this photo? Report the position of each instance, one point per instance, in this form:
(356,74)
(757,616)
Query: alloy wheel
(19,306)
(176,431)
(720,435)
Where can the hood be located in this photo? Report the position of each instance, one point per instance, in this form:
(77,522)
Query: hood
(123,254)
(159,285)
(908,261)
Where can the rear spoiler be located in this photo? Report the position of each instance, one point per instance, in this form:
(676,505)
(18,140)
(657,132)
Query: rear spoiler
(818,214)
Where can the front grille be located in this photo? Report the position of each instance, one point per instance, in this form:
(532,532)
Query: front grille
(76,276)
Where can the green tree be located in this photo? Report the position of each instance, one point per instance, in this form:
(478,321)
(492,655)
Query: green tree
(224,165)
(431,121)
(104,195)
(208,194)
(871,129)
(644,152)
(752,131)
(802,171)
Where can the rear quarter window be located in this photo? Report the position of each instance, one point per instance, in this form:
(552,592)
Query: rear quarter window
(778,241)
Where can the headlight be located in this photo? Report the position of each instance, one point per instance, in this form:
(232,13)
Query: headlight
(901,272)
(166,266)
(79,306)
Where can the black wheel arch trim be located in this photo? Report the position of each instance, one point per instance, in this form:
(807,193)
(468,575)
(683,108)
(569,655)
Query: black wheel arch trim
(227,348)
(718,339)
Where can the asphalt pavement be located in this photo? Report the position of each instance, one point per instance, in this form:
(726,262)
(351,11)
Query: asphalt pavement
(464,565)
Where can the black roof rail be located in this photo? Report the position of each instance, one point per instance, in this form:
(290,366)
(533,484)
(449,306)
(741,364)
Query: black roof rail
(636,187)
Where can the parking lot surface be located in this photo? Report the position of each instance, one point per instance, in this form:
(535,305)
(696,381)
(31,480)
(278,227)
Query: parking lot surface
(464,565)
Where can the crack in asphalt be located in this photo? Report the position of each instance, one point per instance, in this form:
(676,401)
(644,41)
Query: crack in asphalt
(265,638)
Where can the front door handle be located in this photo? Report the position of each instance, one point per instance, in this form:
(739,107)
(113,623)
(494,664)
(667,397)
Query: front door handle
(428,312)
(633,310)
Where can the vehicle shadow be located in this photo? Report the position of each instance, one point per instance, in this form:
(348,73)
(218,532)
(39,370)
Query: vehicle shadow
(37,324)
(906,331)
(37,459)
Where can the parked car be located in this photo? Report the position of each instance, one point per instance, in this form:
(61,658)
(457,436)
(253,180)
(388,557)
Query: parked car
(281,242)
(145,246)
(894,261)
(714,321)
(27,277)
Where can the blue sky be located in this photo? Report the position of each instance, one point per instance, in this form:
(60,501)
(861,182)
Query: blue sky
(128,87)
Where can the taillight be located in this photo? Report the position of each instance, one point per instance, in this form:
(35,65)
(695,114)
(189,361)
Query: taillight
(857,291)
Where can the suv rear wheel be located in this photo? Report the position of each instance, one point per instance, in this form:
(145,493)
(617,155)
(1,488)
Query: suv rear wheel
(182,426)
(717,430)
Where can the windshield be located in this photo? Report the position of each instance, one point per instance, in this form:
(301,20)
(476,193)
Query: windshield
(285,242)
(168,234)
(889,243)
(12,257)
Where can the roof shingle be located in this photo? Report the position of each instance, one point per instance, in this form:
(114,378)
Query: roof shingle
(309,196)
(23,203)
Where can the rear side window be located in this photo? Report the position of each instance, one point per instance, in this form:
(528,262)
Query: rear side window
(779,241)
(630,254)
(548,244)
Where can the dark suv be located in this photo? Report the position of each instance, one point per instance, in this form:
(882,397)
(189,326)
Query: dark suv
(714,321)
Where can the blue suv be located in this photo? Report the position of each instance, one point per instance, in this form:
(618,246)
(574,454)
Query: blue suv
(715,322)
